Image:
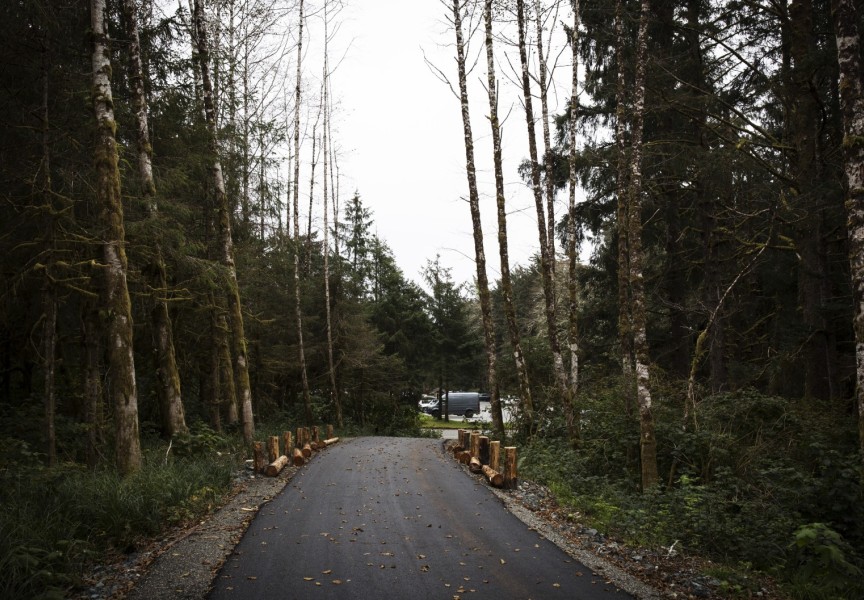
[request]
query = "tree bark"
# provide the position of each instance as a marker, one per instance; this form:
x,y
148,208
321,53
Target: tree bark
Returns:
x,y
479,253
525,400
167,373
226,244
561,386
548,163
572,249
298,312
116,304
648,442
846,19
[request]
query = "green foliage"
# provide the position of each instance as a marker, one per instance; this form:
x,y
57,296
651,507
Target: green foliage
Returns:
x,y
822,565
55,520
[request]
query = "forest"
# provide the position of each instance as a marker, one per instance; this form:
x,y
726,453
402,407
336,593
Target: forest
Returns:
x,y
181,270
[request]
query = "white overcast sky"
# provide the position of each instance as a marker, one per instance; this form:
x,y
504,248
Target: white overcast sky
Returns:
x,y
400,133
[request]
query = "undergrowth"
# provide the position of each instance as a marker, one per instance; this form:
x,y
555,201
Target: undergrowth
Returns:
x,y
761,486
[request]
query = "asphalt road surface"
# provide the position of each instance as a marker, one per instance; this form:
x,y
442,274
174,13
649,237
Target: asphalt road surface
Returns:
x,y
381,518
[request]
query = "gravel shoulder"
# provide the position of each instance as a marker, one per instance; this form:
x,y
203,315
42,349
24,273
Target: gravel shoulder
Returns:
x,y
184,564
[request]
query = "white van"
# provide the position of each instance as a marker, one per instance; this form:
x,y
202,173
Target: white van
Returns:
x,y
466,404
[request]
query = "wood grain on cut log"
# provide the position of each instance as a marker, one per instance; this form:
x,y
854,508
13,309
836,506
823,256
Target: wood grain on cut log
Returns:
x,y
258,461
307,450
287,442
298,458
510,475
464,457
495,478
474,465
273,448
276,466
474,445
495,455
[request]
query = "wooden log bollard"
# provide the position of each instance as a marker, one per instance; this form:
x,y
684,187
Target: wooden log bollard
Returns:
x,y
258,462
495,478
474,465
315,434
510,475
307,450
464,457
276,466
330,432
474,446
483,450
495,455
273,448
297,457
287,442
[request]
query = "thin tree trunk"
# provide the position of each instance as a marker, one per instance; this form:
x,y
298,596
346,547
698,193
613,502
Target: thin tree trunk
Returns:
x,y
548,164
625,326
331,366
846,19
167,374
648,441
226,244
307,400
479,253
525,400
572,254
92,384
116,304
561,386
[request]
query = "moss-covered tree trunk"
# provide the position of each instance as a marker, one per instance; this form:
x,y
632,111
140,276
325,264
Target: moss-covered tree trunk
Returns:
x,y
115,304
846,19
223,228
479,252
648,441
167,373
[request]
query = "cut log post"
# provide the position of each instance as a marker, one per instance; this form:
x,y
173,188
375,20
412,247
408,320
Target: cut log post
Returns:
x,y
315,434
297,457
301,436
307,450
287,442
258,461
474,465
495,478
464,457
457,450
510,476
273,448
276,466
474,446
495,455
483,450
330,432
330,441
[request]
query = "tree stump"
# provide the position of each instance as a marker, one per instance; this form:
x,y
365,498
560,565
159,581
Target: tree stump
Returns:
x,y
273,448
495,455
258,462
510,475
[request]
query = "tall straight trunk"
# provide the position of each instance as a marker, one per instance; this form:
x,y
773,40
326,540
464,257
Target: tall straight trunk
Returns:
x,y
167,374
331,365
625,326
479,253
572,249
226,244
648,441
563,390
209,377
49,293
307,400
548,164
116,305
846,18
525,401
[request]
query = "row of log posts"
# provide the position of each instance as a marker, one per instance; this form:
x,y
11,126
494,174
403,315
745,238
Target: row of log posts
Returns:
x,y
483,455
307,441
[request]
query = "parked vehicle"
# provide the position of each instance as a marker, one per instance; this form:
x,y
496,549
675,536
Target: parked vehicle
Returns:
x,y
466,404
426,402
